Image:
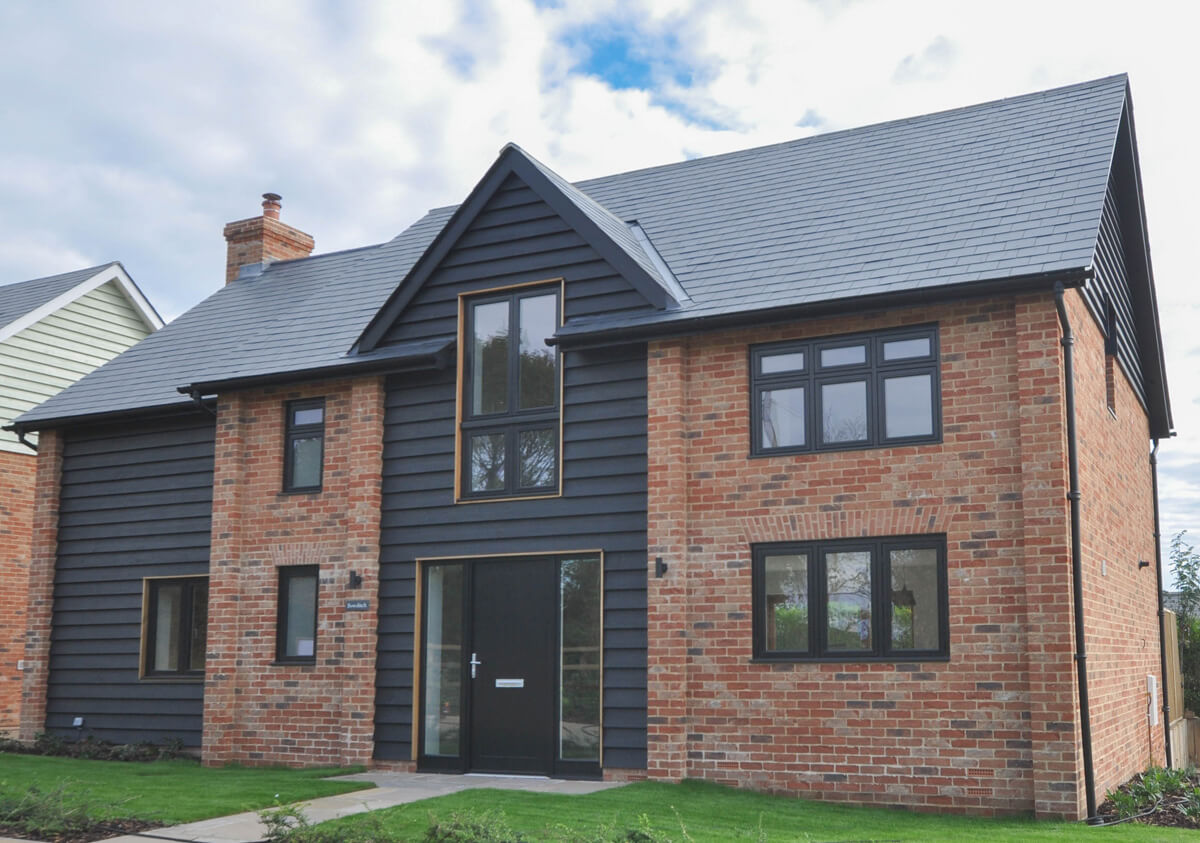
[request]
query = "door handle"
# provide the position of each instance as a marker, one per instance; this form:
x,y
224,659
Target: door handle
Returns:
x,y
475,662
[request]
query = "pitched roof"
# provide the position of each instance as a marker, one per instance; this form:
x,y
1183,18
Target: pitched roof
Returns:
x,y
24,297
1011,188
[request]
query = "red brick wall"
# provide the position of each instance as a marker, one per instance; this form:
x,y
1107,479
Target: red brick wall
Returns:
x,y
256,711
40,598
17,473
1120,604
993,730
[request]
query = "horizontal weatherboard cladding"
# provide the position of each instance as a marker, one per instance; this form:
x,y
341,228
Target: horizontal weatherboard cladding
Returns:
x,y
1111,283
518,238
136,502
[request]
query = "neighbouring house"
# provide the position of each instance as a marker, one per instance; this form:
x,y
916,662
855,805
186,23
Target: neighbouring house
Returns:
x,y
756,468
53,331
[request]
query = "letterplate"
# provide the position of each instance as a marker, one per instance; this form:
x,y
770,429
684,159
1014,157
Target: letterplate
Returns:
x,y
510,683
358,605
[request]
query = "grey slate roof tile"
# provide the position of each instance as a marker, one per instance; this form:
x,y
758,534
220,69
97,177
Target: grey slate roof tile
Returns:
x,y
1006,188
23,297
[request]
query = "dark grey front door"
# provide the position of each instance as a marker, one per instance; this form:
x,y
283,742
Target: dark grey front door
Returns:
x,y
512,674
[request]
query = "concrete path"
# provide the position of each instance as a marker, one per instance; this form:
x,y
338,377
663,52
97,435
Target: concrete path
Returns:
x,y
391,789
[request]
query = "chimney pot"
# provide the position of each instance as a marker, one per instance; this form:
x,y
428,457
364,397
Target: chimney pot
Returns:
x,y
271,205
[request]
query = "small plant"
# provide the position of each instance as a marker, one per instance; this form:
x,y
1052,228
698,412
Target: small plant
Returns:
x,y
1191,803
1125,804
282,822
53,813
487,827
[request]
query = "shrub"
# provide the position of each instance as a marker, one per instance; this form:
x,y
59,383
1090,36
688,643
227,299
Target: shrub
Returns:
x,y
487,827
1185,565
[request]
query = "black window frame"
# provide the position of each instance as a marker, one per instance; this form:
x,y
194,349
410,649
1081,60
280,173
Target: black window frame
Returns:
x,y
881,608
514,421
287,573
873,372
186,671
293,432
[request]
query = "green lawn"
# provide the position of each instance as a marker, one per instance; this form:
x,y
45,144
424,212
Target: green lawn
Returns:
x,y
713,813
169,791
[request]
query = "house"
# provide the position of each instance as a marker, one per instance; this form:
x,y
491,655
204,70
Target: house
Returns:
x,y
757,468
52,332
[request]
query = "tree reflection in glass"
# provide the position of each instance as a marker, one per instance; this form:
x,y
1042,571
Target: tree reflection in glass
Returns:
x,y
538,369
579,700
489,373
487,462
848,594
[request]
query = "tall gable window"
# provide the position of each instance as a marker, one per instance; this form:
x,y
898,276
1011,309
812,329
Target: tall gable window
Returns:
x,y
510,394
838,393
304,445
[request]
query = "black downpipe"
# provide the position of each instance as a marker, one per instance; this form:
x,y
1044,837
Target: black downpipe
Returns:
x,y
21,438
1085,717
1162,618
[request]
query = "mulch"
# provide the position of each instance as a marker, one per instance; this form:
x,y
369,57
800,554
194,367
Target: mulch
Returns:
x,y
101,831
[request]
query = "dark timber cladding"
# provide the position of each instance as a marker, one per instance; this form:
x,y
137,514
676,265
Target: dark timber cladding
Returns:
x,y
136,502
518,238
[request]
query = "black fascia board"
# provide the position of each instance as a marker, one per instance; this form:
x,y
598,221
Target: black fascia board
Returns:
x,y
606,336
438,358
152,412
1150,345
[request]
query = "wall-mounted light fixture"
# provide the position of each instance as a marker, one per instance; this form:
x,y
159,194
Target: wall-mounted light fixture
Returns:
x,y
660,567
355,579
1142,563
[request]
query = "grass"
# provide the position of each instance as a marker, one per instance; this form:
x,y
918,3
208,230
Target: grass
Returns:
x,y
169,792
714,813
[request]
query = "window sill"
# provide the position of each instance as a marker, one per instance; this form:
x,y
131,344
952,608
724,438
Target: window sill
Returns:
x,y
287,493
834,449
294,662
850,658
541,496
174,680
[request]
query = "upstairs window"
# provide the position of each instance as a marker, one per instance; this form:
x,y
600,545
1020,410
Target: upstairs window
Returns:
x,y
854,600
510,395
836,393
175,629
304,445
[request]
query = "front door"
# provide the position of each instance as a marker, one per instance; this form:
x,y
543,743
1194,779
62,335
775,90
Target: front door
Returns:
x,y
511,665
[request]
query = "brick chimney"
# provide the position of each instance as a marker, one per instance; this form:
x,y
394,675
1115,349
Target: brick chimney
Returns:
x,y
263,239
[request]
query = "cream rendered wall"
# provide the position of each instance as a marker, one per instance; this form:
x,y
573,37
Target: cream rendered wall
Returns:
x,y
53,353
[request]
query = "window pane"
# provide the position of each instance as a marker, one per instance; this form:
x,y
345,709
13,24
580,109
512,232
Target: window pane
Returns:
x,y
579,698
310,415
783,417
443,660
844,411
901,349
916,615
537,458
848,587
168,622
301,633
539,374
908,406
792,361
489,361
786,602
199,630
306,461
487,462
850,355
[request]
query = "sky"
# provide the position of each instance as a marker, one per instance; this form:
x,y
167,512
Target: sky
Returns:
x,y
134,131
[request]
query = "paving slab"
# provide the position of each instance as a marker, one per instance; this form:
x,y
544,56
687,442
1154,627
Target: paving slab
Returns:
x,y
390,789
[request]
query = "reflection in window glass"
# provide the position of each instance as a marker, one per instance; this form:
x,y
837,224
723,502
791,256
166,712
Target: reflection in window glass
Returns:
x,y
908,406
308,415
783,417
850,355
903,349
199,637
848,595
538,369
299,607
167,627
489,369
443,660
844,412
914,599
786,604
487,462
579,712
789,362
537,458
307,455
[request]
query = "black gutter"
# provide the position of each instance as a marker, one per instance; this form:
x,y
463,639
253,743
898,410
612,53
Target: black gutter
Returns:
x,y
1073,495
439,359
162,411
21,438
1038,282
1162,618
